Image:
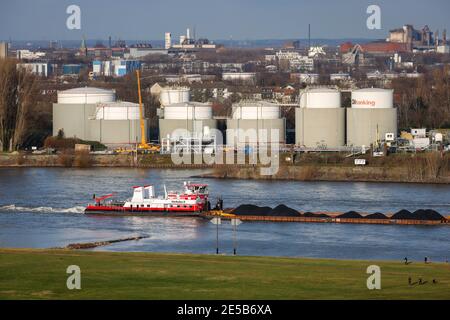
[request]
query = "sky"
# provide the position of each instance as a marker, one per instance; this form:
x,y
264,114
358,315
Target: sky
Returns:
x,y
215,19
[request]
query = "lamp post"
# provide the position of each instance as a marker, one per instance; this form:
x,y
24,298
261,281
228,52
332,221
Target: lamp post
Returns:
x,y
235,222
217,221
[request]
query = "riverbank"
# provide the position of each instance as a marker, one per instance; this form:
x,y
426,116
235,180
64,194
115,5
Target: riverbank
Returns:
x,y
41,274
409,168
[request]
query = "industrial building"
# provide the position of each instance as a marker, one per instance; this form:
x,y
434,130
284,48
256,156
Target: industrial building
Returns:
x,y
371,116
249,77
255,115
117,67
94,114
43,69
320,119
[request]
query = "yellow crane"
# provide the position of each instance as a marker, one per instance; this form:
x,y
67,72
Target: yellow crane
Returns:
x,y
143,146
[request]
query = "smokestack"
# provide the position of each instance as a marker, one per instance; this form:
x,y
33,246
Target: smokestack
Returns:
x,y
188,36
436,39
444,37
168,40
309,36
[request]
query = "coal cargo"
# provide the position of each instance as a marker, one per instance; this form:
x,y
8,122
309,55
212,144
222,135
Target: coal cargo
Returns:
x,y
376,215
427,215
350,215
284,211
315,215
402,215
251,210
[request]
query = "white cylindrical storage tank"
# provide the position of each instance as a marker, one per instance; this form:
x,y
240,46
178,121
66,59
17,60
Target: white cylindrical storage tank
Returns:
x,y
255,123
320,98
371,116
256,110
372,98
189,119
320,120
118,111
191,110
174,95
86,95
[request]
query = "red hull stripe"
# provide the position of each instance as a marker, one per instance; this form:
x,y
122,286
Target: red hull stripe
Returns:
x,y
135,209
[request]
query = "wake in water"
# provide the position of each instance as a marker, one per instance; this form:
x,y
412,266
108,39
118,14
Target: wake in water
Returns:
x,y
14,208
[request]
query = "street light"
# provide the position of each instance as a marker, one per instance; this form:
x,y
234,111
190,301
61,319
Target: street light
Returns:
x,y
235,222
217,221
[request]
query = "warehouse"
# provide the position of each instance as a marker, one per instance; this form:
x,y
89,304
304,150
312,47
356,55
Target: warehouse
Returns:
x,y
93,114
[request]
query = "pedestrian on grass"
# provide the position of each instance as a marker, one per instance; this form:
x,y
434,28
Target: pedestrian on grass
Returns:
x,y
425,259
420,281
409,280
406,260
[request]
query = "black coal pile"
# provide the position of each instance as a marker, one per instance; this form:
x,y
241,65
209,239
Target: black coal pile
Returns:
x,y
251,210
315,215
350,215
283,211
427,215
402,214
376,215
418,215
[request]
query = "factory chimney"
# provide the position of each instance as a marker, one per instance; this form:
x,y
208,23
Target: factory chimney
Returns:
x,y
444,37
168,40
436,39
309,36
188,36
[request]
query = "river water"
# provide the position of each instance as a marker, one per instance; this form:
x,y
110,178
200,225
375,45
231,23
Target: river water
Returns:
x,y
42,208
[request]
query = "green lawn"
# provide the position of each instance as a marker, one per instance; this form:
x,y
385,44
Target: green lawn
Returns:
x,y
41,274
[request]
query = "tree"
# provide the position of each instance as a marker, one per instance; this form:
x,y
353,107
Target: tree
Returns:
x,y
18,93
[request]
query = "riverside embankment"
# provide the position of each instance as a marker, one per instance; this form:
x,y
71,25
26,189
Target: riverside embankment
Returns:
x,y
414,168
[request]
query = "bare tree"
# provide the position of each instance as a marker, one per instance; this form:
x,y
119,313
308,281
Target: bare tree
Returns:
x,y
18,92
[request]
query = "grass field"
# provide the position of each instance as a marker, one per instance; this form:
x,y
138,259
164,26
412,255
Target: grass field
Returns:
x,y
41,274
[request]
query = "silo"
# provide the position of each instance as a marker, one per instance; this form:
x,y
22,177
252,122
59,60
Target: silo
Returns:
x,y
252,123
371,116
194,118
173,95
320,119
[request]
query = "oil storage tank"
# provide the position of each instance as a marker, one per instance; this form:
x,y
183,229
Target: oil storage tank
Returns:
x,y
252,123
195,119
173,95
93,114
320,119
371,116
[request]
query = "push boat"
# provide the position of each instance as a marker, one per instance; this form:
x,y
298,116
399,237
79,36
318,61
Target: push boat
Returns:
x,y
192,201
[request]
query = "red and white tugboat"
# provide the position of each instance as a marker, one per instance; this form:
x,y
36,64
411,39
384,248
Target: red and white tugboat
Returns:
x,y
191,202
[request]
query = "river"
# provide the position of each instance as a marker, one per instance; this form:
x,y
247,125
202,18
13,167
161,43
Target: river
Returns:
x,y
43,208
